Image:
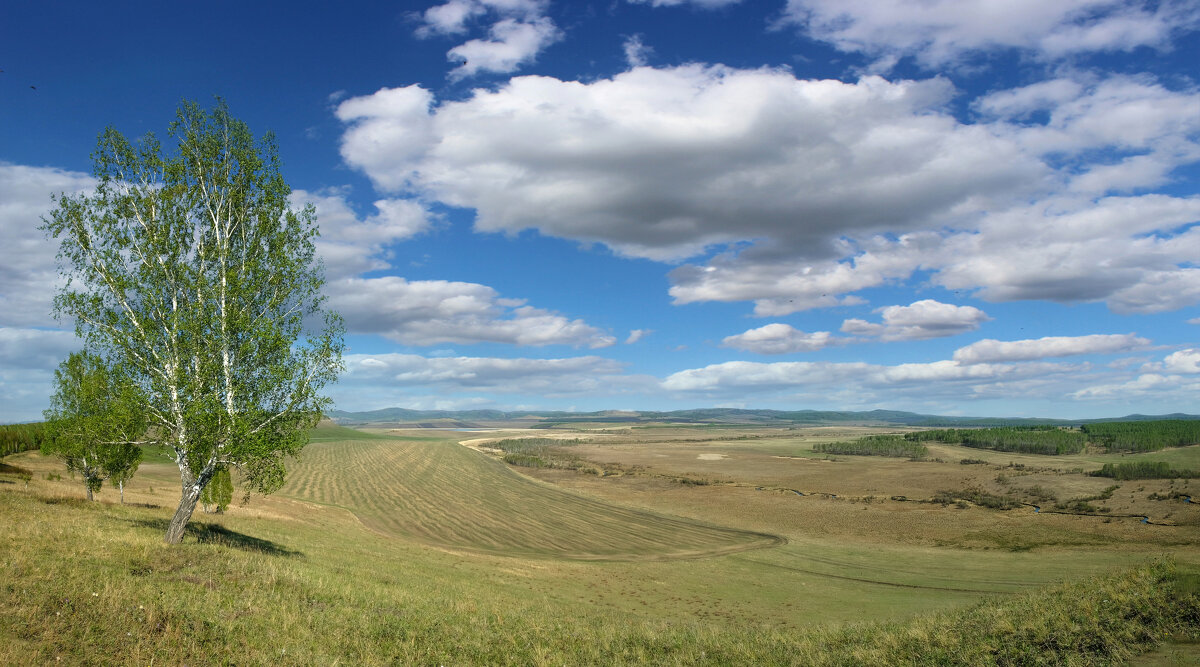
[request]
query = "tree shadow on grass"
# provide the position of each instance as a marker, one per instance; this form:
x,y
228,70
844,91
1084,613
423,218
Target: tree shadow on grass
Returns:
x,y
212,533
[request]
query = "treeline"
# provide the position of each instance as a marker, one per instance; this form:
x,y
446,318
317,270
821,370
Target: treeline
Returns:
x,y
1139,436
875,445
1143,470
1143,436
21,437
1022,439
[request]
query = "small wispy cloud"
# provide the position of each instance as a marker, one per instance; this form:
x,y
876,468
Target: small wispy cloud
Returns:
x,y
637,52
637,334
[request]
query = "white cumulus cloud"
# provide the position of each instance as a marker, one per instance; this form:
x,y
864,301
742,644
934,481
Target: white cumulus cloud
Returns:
x,y
510,44
1183,361
405,378
350,244
857,383
430,312
942,33
662,163
779,339
920,320
28,274
799,193
517,31
991,351
1146,384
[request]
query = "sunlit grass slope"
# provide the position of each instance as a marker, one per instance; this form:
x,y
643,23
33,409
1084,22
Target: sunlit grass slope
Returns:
x,y
445,495
89,583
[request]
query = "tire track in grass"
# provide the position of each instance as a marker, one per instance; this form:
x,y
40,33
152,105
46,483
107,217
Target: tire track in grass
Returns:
x,y
863,580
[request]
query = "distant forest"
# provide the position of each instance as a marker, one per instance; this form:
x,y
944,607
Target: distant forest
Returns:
x,y
1114,437
21,438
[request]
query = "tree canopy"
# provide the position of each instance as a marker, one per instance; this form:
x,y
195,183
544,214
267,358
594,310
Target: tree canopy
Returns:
x,y
189,272
95,422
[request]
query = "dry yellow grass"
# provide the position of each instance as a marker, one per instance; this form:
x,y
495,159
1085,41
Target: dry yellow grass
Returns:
x,y
441,494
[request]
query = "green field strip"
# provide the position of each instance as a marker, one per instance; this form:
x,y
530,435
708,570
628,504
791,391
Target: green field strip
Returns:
x,y
448,496
933,570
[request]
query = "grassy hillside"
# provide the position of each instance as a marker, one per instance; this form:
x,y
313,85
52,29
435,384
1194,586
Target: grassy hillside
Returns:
x,y
418,550
440,493
88,583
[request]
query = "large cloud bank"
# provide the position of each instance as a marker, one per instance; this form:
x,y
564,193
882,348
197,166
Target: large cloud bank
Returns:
x,y
796,194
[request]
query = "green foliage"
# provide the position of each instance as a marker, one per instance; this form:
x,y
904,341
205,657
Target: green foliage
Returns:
x,y
94,424
219,491
1139,436
541,453
188,270
1024,439
875,445
1144,436
525,460
16,438
1143,470
536,446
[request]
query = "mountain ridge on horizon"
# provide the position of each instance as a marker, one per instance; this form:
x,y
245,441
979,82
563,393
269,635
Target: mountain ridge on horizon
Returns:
x,y
546,418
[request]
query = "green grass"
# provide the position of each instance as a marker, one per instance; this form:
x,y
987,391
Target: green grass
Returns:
x,y
1187,458
328,431
421,551
298,592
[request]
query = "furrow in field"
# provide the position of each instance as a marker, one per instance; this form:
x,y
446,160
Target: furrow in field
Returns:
x,y
449,496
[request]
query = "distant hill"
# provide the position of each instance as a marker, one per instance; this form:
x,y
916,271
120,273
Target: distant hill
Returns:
x,y
545,419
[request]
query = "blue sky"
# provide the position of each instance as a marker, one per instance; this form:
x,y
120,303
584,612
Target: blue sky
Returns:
x,y
974,207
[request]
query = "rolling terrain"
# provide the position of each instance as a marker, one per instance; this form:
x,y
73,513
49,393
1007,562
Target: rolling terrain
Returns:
x,y
437,492
683,544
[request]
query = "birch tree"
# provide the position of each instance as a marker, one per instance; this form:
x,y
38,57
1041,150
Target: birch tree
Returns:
x,y
187,269
95,423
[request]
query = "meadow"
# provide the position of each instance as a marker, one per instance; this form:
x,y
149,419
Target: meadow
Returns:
x,y
668,544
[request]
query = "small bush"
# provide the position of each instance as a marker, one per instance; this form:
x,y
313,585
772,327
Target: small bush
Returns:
x,y
1042,494
978,497
525,460
1077,505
